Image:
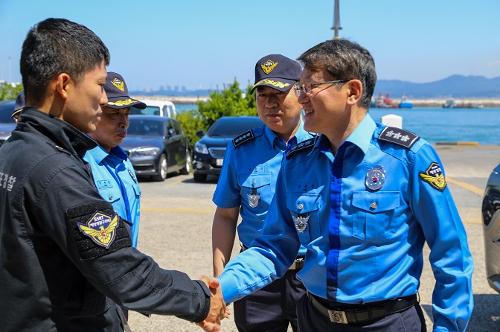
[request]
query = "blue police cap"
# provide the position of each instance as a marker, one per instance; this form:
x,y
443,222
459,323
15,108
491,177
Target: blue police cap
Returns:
x,y
277,71
117,92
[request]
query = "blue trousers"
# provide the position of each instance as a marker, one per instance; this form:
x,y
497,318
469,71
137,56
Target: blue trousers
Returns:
x,y
272,308
311,320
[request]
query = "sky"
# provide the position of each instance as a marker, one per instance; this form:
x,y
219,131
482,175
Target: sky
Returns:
x,y
204,44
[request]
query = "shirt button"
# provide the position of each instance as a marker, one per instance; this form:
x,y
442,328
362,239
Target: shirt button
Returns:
x,y
373,205
300,206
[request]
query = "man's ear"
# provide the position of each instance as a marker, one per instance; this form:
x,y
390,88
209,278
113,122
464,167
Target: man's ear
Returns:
x,y
63,85
355,91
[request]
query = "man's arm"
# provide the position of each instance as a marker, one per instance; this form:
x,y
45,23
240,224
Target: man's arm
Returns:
x,y
450,258
223,233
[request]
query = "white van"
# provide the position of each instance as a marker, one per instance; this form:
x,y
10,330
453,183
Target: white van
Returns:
x,y
156,107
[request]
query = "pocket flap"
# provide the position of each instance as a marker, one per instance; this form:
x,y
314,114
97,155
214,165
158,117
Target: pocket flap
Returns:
x,y
300,203
256,181
376,202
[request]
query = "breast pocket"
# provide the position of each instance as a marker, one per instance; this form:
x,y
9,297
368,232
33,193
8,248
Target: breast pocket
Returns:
x,y
256,193
304,209
109,195
373,213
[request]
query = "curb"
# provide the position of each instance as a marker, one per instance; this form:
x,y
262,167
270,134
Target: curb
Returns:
x,y
459,143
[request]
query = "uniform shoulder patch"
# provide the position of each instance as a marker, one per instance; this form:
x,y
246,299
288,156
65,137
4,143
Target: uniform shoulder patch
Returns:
x,y
433,175
304,145
243,138
398,136
97,230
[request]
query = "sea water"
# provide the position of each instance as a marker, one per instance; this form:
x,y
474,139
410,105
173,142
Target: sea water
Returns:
x,y
439,124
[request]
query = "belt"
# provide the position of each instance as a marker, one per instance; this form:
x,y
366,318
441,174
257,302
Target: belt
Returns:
x,y
363,313
297,264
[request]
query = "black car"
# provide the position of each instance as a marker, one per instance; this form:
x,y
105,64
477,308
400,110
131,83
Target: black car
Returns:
x,y
7,124
157,146
210,149
491,228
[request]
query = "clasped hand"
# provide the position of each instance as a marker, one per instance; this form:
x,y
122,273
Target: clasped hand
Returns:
x,y
218,310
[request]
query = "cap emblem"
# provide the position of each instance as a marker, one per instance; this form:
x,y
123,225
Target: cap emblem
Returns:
x,y
119,84
268,66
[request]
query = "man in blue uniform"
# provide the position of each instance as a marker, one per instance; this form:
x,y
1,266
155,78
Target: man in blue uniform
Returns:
x,y
363,199
65,256
113,173
246,186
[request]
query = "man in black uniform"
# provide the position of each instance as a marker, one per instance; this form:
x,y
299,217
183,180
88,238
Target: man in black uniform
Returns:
x,y
65,256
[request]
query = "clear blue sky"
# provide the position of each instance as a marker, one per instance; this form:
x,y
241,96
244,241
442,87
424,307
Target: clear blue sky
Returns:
x,y
202,44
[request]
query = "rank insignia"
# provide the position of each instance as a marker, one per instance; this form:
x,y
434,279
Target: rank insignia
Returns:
x,y
268,66
398,136
253,198
375,178
300,222
119,84
100,228
434,176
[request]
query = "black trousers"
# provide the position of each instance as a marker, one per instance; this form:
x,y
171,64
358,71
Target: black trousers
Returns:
x,y
272,308
311,320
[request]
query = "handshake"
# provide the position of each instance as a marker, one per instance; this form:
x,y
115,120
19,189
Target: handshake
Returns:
x,y
218,310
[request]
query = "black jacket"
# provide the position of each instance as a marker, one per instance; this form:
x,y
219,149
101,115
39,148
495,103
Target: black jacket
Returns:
x,y
63,250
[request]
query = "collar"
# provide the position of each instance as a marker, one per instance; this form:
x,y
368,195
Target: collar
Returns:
x,y
99,153
361,136
58,131
274,140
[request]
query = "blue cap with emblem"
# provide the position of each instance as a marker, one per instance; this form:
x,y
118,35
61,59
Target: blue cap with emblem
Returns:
x,y
277,71
117,92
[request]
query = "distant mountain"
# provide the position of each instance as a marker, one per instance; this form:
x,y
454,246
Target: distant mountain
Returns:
x,y
456,86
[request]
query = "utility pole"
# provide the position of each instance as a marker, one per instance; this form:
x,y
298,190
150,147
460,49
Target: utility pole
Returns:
x,y
336,20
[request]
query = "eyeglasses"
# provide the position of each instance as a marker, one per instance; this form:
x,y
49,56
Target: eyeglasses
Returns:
x,y
302,89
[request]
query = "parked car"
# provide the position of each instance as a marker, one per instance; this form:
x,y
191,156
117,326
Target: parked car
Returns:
x,y
163,108
157,146
7,124
491,228
210,149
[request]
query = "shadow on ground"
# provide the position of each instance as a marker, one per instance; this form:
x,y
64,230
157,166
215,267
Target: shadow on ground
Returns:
x,y
486,314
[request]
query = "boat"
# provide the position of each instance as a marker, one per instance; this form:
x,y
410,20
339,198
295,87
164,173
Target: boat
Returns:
x,y
405,103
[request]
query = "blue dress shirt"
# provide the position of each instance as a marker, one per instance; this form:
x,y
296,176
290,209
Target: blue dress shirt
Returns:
x,y
252,169
362,245
115,179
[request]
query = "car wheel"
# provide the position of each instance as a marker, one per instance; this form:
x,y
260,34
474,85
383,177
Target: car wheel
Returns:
x,y
162,169
189,166
199,177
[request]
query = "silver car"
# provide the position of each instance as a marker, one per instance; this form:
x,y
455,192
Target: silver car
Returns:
x,y
491,227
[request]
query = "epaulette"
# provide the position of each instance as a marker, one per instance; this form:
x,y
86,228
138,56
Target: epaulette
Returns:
x,y
398,136
243,138
300,147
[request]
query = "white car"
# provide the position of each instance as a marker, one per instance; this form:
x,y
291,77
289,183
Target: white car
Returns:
x,y
163,108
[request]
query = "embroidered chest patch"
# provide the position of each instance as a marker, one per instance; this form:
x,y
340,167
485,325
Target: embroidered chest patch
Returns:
x,y
101,228
434,176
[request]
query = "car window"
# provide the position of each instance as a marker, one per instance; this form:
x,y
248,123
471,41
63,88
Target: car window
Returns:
x,y
233,126
149,110
143,127
6,110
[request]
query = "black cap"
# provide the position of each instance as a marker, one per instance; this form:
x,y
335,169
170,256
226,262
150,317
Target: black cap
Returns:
x,y
117,92
277,71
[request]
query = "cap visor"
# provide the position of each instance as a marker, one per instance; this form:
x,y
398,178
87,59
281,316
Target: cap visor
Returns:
x,y
280,84
124,103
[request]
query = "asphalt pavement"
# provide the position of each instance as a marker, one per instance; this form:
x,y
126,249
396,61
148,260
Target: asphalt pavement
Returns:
x,y
176,221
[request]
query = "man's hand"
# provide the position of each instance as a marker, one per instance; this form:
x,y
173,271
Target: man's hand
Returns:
x,y
217,306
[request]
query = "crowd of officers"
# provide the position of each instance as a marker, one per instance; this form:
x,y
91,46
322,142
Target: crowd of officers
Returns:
x,y
335,208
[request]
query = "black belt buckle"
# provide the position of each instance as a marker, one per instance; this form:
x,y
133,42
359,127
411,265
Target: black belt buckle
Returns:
x,y
338,317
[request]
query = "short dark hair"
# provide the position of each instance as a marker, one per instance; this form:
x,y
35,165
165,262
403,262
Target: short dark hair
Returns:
x,y
343,60
55,46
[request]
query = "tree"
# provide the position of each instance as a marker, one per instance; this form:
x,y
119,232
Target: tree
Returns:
x,y
229,102
9,91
